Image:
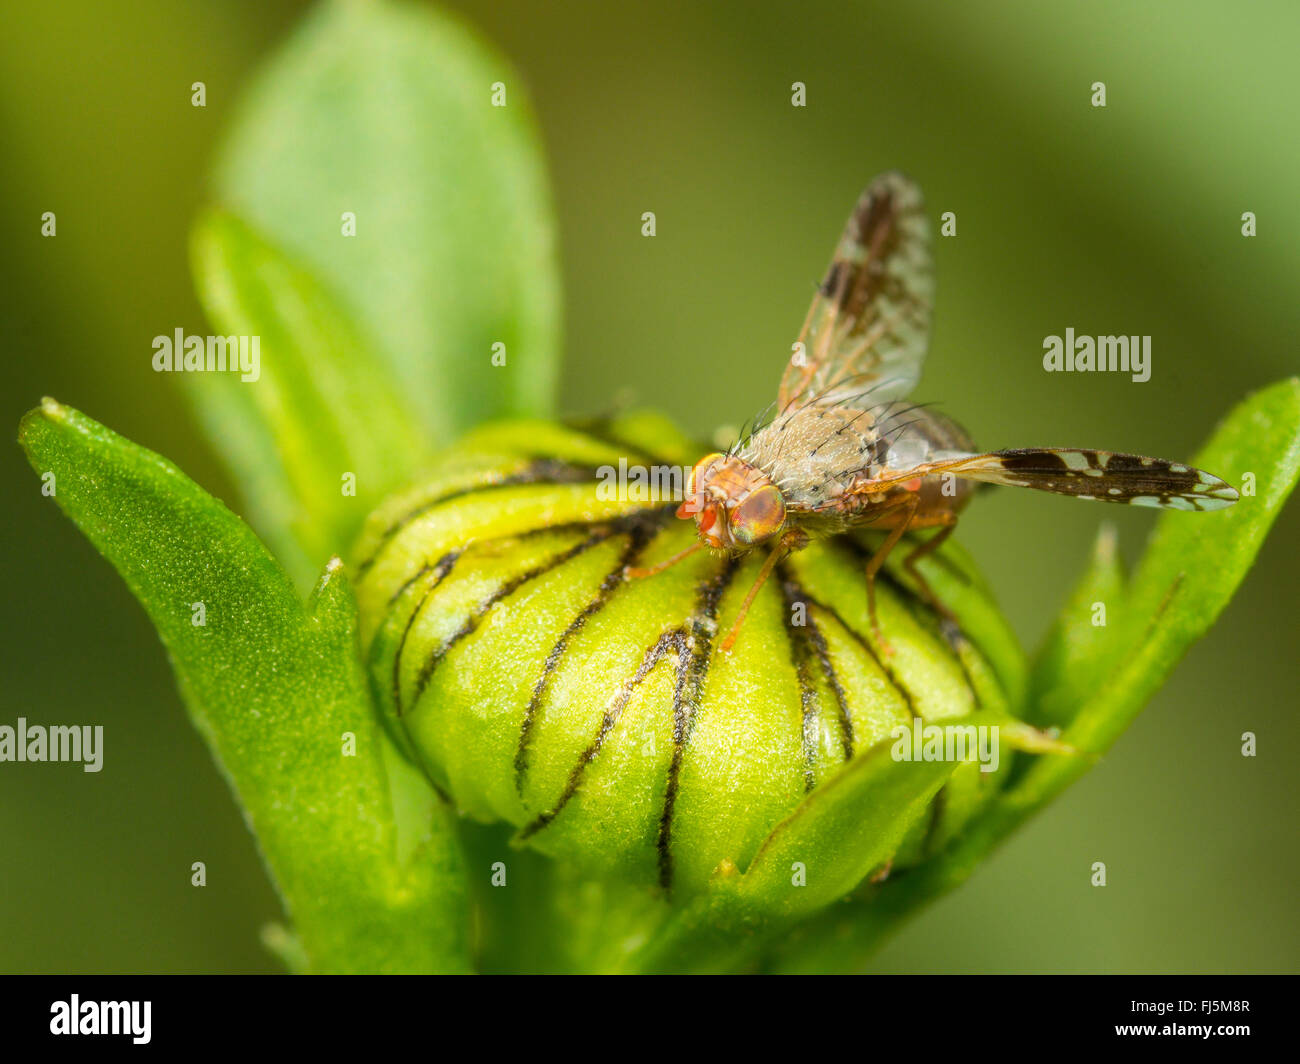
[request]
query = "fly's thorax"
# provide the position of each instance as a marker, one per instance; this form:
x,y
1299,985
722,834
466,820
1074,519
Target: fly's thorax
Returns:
x,y
814,454
818,454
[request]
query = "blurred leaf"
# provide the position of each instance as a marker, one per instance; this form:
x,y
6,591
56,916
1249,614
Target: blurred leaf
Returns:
x,y
323,405
385,110
274,688
279,940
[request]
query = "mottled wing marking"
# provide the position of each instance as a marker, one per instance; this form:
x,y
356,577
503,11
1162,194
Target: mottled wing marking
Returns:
x,y
1085,474
867,328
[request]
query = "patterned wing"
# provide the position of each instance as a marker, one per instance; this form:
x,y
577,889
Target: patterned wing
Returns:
x,y
867,328
1085,474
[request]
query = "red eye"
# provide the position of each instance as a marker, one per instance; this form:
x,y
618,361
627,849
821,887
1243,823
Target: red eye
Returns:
x,y
760,516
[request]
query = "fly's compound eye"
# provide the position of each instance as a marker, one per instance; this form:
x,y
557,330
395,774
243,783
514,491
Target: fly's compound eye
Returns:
x,y
760,516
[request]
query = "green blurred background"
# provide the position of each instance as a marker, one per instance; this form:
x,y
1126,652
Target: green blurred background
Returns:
x,y
1122,220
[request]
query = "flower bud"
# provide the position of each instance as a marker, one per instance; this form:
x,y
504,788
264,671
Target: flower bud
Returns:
x,y
537,681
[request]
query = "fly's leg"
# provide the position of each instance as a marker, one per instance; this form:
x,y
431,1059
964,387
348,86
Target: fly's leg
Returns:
x,y
900,525
791,541
635,573
947,522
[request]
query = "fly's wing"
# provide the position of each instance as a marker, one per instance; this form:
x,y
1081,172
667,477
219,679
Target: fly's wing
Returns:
x,y
1085,474
867,328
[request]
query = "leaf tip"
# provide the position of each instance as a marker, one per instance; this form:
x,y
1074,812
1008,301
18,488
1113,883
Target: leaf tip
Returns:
x,y
1107,543
50,410
1031,740
286,946
333,568
332,602
53,409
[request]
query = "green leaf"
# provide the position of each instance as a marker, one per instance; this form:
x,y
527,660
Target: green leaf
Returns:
x,y
853,823
385,110
275,688
569,921
1077,651
821,853
323,415
1194,563
850,825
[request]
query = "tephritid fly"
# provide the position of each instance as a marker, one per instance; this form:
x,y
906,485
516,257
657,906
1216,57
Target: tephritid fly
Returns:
x,y
844,450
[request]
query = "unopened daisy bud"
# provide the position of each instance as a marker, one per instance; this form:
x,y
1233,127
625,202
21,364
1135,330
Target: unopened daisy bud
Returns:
x,y
530,657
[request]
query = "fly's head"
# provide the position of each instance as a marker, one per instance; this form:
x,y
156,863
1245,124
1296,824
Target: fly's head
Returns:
x,y
735,505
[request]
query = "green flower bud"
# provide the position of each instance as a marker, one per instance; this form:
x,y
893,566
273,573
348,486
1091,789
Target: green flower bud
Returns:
x,y
538,683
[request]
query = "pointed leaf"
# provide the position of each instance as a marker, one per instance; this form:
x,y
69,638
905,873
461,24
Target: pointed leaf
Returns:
x,y
276,690
1194,563
848,826
1077,651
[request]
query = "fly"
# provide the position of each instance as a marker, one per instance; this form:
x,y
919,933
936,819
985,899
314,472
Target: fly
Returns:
x,y
844,450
